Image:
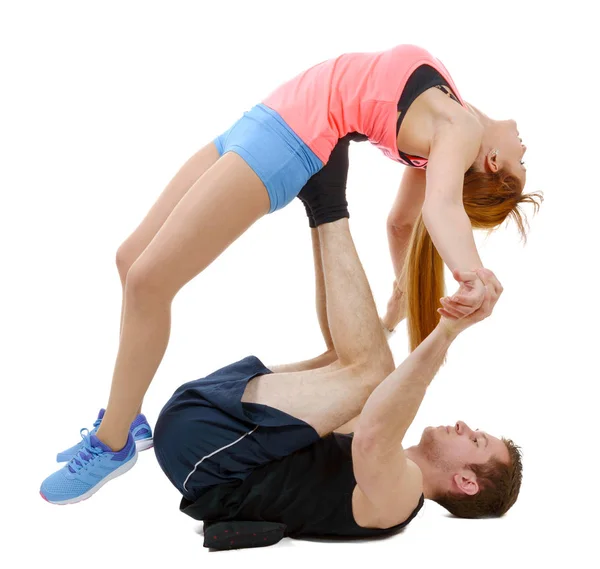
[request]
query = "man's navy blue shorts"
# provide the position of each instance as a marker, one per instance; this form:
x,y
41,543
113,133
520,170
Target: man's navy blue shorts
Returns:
x,y
205,435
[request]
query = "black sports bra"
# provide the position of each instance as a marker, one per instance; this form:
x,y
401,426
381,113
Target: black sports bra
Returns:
x,y
423,78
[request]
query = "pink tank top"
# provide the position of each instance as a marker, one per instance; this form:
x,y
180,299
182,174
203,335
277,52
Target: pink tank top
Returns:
x,y
355,92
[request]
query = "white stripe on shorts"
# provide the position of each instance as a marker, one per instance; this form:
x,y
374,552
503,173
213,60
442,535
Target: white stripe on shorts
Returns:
x,y
215,452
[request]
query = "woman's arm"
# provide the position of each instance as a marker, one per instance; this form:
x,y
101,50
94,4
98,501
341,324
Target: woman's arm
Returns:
x,y
453,151
400,223
405,210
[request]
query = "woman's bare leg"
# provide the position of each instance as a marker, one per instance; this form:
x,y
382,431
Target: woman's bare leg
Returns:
x,y
214,212
135,244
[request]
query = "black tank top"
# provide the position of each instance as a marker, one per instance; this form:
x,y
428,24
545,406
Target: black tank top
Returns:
x,y
309,491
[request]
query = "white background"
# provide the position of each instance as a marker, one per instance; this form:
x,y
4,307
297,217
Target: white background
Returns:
x,y
101,103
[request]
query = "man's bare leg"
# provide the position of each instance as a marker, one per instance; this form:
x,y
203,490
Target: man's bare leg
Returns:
x,y
328,398
328,360
329,356
348,427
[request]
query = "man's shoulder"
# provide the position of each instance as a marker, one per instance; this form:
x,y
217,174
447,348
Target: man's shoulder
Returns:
x,y
395,503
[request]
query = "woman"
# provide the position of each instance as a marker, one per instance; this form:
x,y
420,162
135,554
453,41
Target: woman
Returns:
x,y
404,101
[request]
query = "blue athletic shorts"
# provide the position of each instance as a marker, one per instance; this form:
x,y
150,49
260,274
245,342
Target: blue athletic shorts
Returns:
x,y
274,151
205,435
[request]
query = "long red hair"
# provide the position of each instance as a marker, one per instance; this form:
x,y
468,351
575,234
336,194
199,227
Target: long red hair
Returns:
x,y
489,198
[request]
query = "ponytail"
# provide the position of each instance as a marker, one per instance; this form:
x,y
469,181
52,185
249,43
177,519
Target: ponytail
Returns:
x,y
489,198
424,284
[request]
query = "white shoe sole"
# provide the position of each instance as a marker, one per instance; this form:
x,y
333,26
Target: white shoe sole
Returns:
x,y
114,474
144,444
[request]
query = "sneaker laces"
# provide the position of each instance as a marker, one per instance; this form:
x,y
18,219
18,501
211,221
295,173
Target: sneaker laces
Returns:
x,y
85,455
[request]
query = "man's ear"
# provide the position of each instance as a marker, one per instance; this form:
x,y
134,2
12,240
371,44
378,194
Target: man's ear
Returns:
x,y
466,482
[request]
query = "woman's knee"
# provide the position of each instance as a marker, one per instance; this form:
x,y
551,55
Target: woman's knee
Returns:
x,y
125,258
145,280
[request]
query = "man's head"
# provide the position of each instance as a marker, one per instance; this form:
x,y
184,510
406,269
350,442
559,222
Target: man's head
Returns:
x,y
471,473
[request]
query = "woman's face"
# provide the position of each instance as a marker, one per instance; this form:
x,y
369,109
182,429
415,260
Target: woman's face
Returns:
x,y
511,149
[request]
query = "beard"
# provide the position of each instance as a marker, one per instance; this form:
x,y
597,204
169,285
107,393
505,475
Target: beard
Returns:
x,y
433,450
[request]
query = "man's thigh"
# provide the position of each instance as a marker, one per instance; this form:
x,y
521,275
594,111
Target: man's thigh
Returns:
x,y
205,435
325,398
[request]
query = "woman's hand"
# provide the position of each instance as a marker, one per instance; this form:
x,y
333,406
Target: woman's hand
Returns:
x,y
396,308
467,299
492,291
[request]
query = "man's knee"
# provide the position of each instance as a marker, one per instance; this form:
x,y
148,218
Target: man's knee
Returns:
x,y
167,433
160,435
387,361
379,364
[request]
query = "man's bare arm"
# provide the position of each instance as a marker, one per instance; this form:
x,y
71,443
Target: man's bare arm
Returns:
x,y
380,465
392,406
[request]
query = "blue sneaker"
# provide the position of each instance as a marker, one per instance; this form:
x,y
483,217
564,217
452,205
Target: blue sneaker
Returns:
x,y
90,469
140,429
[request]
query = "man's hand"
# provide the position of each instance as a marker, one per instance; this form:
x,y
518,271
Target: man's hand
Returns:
x,y
453,318
468,298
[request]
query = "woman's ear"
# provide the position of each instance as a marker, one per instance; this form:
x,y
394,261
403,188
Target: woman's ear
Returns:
x,y
491,160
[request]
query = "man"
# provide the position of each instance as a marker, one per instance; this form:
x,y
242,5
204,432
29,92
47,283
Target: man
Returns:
x,y
250,445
